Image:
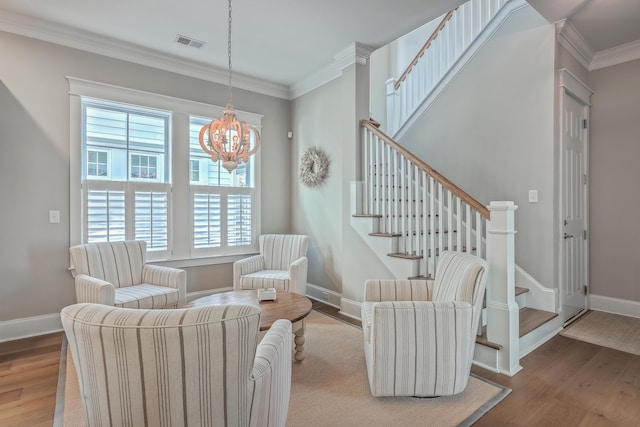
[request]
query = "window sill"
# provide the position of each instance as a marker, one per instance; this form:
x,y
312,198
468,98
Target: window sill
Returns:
x,y
197,262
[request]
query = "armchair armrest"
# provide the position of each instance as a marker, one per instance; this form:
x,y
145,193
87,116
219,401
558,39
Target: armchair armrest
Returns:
x,y
271,375
398,290
168,277
298,275
246,266
91,289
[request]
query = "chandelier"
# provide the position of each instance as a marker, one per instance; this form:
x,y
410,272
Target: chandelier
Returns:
x,y
228,139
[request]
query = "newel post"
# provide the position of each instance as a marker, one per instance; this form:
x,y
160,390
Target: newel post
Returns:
x,y
393,107
502,311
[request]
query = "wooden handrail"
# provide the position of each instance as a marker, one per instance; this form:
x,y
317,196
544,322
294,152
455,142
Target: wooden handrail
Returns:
x,y
459,192
424,48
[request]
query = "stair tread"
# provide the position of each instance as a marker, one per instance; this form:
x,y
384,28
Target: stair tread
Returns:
x,y
482,339
531,318
385,234
420,278
366,216
405,256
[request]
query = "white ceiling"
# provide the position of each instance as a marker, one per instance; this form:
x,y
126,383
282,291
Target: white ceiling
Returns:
x,y
604,24
277,41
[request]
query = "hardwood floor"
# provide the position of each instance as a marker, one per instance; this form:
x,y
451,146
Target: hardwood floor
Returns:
x,y
564,382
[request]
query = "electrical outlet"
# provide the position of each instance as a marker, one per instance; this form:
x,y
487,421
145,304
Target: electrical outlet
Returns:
x,y
54,217
325,296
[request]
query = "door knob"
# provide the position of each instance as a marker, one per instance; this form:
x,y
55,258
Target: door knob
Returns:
x,y
567,236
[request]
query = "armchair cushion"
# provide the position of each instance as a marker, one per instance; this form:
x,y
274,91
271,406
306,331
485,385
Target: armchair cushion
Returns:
x,y
278,279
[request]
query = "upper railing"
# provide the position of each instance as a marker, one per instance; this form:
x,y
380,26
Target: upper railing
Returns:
x,y
420,53
427,211
455,33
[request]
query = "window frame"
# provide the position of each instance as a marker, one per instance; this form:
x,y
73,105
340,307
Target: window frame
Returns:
x,y
182,253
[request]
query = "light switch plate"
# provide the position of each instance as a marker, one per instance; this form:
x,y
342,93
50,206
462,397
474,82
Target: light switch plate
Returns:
x,y
533,196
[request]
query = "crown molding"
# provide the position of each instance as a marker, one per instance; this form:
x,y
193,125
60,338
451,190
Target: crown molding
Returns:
x,y
106,46
571,40
354,53
616,55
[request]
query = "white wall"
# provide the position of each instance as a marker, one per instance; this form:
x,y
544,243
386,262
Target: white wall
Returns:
x,y
492,133
614,199
34,165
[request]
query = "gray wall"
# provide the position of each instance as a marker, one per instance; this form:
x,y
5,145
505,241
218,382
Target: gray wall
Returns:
x,y
615,173
492,133
34,165
329,117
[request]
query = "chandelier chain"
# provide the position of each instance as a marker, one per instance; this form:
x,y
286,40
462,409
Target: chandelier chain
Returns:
x,y
229,54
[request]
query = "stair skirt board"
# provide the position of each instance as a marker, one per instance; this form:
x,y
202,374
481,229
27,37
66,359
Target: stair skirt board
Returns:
x,y
540,335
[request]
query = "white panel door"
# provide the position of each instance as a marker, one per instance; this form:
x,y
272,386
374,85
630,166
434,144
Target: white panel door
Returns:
x,y
574,265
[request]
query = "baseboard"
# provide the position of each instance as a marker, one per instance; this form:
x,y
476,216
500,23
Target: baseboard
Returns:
x,y
200,294
350,308
614,305
324,295
16,329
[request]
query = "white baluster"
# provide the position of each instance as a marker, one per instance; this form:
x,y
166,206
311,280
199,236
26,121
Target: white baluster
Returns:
x,y
403,220
425,225
432,225
450,227
479,235
469,220
440,228
459,224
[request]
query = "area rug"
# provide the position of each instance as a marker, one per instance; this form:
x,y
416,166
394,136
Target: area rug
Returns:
x,y
607,330
330,388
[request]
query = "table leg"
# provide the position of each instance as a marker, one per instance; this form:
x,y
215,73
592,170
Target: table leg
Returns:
x,y
299,341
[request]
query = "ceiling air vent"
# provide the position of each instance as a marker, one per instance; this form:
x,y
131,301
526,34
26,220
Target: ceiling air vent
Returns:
x,y
188,41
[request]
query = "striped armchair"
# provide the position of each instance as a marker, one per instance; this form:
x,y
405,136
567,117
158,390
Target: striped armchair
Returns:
x,y
282,264
195,366
419,335
116,273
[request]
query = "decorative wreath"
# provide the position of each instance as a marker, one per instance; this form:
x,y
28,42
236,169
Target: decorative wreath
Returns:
x,y
314,167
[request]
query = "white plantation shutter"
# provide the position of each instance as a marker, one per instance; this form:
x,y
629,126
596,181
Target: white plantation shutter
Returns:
x,y
126,211
152,218
239,219
105,214
223,219
207,220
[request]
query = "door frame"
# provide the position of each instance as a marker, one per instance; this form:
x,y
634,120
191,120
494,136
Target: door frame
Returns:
x,y
572,86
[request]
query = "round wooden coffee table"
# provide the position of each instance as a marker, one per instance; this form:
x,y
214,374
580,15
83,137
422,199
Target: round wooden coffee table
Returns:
x,y
288,305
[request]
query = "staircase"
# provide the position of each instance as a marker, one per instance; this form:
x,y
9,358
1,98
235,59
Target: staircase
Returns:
x,y
460,34
408,213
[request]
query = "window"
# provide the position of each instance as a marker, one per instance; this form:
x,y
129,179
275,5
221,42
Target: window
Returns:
x,y
223,202
125,182
140,173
